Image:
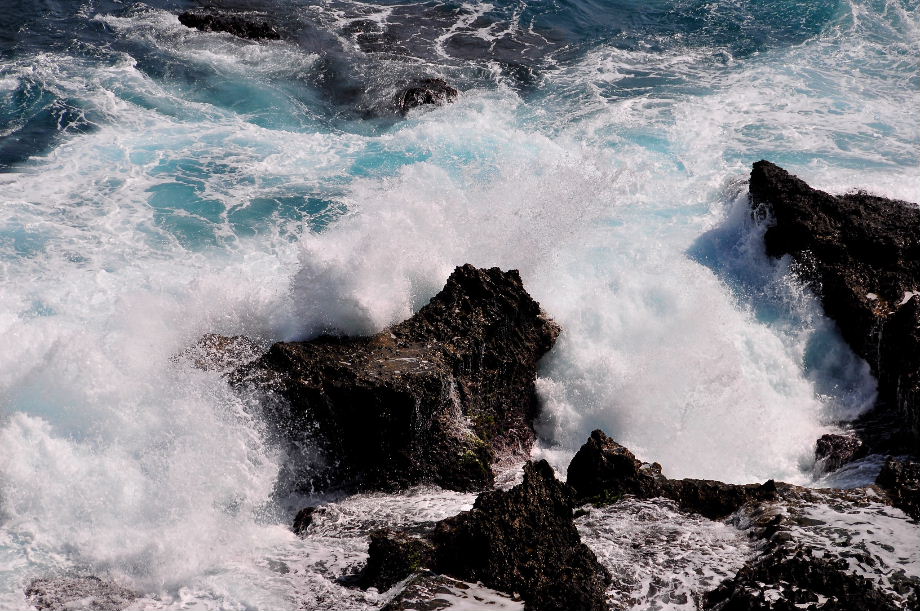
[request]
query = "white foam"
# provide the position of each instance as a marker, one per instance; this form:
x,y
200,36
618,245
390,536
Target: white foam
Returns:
x,y
659,557
121,461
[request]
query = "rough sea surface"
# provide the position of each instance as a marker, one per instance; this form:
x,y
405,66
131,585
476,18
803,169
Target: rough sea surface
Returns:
x,y
158,183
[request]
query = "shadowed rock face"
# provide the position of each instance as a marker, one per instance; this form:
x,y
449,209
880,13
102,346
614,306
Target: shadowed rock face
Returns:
x,y
900,478
238,24
432,399
603,471
518,541
862,253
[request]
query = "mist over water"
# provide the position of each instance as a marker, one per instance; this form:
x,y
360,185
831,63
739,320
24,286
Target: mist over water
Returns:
x,y
158,183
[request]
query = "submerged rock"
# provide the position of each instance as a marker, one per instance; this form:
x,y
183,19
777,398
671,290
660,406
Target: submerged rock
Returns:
x,y
426,91
392,556
434,399
520,541
244,25
429,591
900,479
862,254
82,592
603,471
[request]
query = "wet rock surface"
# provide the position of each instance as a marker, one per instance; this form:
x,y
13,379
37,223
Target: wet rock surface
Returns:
x,y
429,591
80,592
434,399
819,551
244,25
518,541
603,471
832,451
900,479
426,91
862,255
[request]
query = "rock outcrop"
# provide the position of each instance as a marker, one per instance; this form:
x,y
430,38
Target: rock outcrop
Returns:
x,y
900,479
833,450
425,91
862,255
518,541
603,471
432,399
244,25
805,560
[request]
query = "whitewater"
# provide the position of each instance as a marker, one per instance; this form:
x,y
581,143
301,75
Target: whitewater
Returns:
x,y
158,183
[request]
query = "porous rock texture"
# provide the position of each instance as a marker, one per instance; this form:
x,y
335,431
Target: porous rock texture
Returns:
x,y
900,479
521,541
243,25
433,399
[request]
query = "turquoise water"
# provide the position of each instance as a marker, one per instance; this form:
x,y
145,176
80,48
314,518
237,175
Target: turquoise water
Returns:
x,y
158,183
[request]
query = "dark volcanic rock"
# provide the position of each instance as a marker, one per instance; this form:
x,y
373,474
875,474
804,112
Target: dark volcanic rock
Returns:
x,y
429,591
900,478
603,471
862,254
802,564
84,592
239,24
832,451
303,520
392,556
426,91
519,541
432,399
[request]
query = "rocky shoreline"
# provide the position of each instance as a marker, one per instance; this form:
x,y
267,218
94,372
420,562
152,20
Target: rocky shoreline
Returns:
x,y
441,398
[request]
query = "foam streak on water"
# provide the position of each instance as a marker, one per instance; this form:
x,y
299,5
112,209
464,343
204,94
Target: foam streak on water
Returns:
x,y
159,183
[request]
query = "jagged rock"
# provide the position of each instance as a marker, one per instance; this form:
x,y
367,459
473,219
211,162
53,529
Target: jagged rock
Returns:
x,y
83,592
832,451
603,471
302,520
432,399
393,556
429,591
239,24
426,91
802,563
520,541
862,255
900,478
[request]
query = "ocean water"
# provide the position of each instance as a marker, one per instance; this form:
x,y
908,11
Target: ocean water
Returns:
x,y
158,183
